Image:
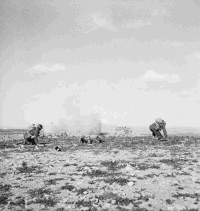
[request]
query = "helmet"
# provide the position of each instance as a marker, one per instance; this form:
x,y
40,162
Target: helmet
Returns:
x,y
32,126
40,126
160,121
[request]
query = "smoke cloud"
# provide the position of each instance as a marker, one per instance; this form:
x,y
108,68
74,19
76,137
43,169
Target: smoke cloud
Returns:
x,y
77,124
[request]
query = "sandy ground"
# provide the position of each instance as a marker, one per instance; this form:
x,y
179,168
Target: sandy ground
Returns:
x,y
123,173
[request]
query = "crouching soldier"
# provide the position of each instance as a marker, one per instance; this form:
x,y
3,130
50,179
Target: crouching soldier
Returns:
x,y
158,126
31,136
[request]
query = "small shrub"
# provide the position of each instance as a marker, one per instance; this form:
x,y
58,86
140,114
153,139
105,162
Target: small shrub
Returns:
x,y
39,192
111,165
154,167
83,203
176,162
52,173
120,181
153,155
140,166
7,145
150,175
107,195
4,198
52,181
20,201
172,174
49,202
67,186
29,169
70,164
81,191
144,198
169,201
96,173
4,193
91,182
42,196
124,201
5,188
3,174
60,209
188,195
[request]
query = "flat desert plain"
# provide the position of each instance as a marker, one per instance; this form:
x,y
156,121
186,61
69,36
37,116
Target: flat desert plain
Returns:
x,y
123,173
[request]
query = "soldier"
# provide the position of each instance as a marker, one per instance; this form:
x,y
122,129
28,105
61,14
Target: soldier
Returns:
x,y
100,138
92,140
158,126
83,140
31,136
31,129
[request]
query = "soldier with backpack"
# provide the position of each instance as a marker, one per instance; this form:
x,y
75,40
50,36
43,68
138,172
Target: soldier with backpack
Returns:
x,y
31,136
156,127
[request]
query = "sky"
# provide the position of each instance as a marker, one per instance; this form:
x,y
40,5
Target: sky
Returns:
x,y
122,62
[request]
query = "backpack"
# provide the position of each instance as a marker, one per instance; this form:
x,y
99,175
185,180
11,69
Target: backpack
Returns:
x,y
31,130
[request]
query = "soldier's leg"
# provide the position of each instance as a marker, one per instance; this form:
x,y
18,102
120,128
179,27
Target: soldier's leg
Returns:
x,y
33,141
151,128
156,134
153,134
27,140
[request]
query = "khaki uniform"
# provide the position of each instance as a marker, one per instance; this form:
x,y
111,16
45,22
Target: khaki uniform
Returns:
x,y
156,128
31,136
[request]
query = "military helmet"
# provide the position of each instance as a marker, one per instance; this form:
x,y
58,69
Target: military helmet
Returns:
x,y
40,126
160,121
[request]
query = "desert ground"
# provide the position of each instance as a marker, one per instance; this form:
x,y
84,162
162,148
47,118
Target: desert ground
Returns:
x,y
125,172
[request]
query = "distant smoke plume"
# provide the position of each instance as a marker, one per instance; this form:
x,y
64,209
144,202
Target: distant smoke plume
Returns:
x,y
87,124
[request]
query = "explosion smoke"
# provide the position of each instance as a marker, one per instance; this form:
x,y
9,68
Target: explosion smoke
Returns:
x,y
90,124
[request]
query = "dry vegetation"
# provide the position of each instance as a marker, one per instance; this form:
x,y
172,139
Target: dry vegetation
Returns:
x,y
122,173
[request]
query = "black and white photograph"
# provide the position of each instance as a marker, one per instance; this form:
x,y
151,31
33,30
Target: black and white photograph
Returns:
x,y
100,105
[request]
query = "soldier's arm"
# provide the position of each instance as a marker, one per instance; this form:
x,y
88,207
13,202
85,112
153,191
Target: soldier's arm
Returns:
x,y
165,132
36,135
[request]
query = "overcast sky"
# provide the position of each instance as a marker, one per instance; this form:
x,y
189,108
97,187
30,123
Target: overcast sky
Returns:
x,y
126,61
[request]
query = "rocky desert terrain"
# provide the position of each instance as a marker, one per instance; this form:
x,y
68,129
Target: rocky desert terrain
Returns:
x,y
125,172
